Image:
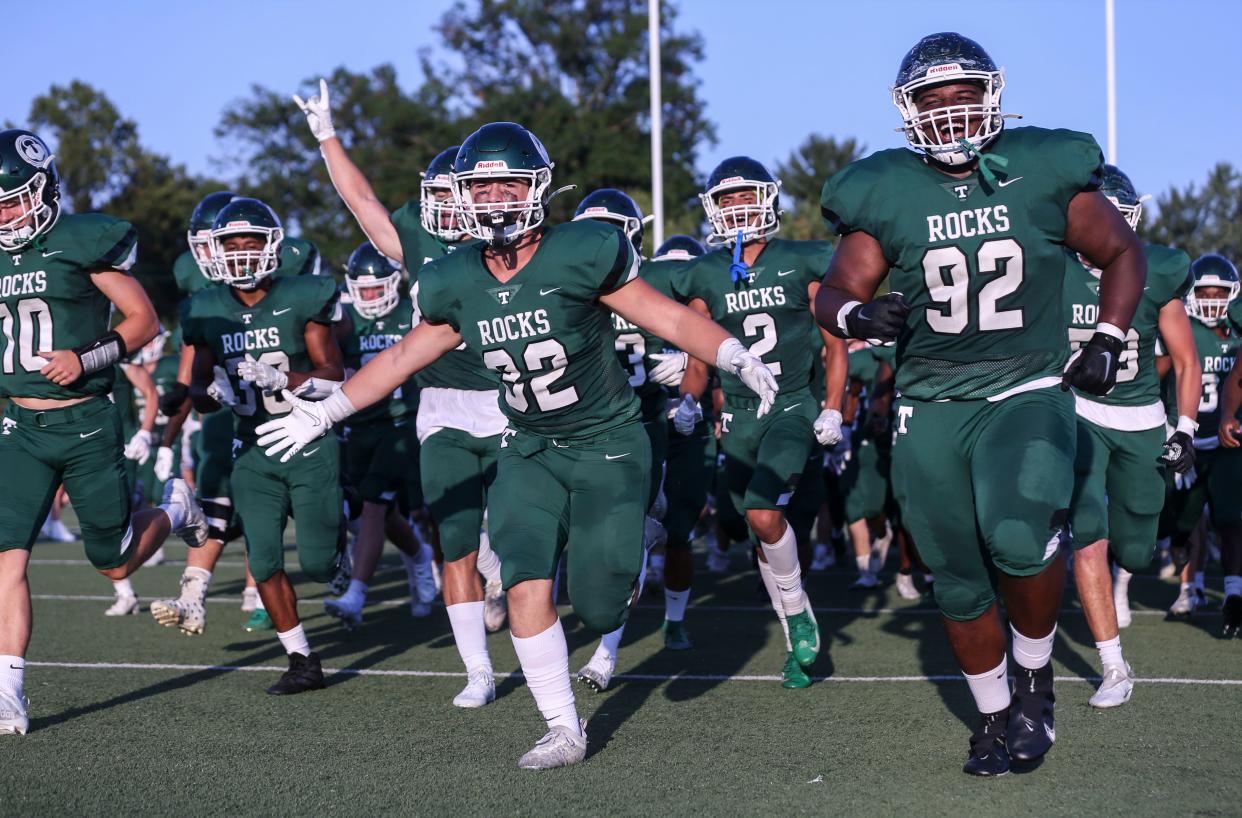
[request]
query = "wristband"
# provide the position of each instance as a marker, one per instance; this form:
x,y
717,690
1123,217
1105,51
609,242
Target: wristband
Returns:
x,y
1187,425
337,406
725,352
841,313
1111,331
316,389
101,353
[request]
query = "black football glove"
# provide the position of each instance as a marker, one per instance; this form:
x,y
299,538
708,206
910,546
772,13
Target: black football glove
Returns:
x,y
1094,371
1179,453
880,320
173,397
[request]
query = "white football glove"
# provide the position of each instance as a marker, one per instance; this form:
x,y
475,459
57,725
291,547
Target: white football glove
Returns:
x,y
828,427
670,369
163,463
687,416
306,422
1183,481
139,447
318,112
264,376
220,390
737,360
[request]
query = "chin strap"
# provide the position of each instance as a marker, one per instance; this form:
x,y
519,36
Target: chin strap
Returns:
x,y
985,161
738,268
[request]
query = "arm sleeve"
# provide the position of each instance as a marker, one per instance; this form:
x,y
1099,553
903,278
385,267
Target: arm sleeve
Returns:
x,y
115,247
325,305
616,263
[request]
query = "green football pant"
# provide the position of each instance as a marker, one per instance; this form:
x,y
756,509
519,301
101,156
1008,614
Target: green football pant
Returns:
x,y
80,446
657,435
864,482
381,462
585,496
984,484
687,475
266,490
1218,484
765,457
1118,491
458,470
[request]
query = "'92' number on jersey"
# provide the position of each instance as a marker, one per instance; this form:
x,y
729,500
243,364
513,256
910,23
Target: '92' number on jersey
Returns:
x,y
946,271
545,363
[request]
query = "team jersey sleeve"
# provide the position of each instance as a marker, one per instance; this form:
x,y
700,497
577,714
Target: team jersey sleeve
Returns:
x,y
1075,162
844,202
101,242
1168,273
298,257
323,301
408,221
190,335
432,298
616,263
1234,315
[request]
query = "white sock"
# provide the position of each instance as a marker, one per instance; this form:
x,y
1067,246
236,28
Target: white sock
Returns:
x,y
544,658
466,619
176,514
1110,653
1032,654
12,675
488,563
294,641
1121,578
357,590
783,560
864,564
990,688
123,587
609,643
194,582
1199,580
675,604
774,594
1233,585
260,606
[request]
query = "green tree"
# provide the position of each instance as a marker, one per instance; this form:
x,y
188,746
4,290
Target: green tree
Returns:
x,y
1200,220
802,177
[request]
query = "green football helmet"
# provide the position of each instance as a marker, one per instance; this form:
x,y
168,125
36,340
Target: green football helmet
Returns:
x,y
28,179
756,220
611,205
1120,191
244,269
369,269
438,213
201,221
1211,270
502,150
679,248
940,59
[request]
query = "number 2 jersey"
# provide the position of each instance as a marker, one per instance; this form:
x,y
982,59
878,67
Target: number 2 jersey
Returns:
x,y
48,302
981,263
544,331
272,331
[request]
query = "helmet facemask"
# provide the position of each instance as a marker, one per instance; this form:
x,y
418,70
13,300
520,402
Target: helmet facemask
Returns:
x,y
958,120
1132,213
630,226
755,221
381,305
244,269
439,215
36,216
501,223
200,248
1210,311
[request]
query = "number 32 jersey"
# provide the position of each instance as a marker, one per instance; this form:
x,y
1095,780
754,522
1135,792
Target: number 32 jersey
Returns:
x,y
544,331
981,263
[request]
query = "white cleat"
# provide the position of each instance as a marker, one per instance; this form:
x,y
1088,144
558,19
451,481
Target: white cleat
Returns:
x,y
123,606
347,609
560,747
717,561
13,718
495,606
190,615
1116,688
1185,603
250,599
597,673
905,587
823,558
865,581
423,585
879,549
58,532
480,689
194,530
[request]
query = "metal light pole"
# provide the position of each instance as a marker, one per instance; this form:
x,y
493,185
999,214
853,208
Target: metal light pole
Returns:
x,y
1110,51
657,121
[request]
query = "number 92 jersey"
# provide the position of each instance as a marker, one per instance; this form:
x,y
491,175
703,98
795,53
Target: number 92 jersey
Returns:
x,y
272,331
980,263
544,331
48,302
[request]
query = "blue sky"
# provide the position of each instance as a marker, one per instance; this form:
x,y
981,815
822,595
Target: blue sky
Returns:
x,y
773,72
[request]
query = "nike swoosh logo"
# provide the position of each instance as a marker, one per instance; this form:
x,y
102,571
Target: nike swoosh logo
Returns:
x,y
403,326
309,453
794,406
616,456
90,434
1009,182
784,273
281,312
51,253
548,292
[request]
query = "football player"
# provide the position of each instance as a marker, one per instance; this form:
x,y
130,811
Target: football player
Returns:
x,y
254,338
762,289
1230,435
459,421
61,276
574,463
973,223
1118,485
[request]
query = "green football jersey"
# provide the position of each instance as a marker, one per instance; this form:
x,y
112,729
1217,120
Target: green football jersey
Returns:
x,y
272,331
1216,354
635,345
48,302
981,264
460,368
769,310
544,332
863,365
367,338
297,257
1168,278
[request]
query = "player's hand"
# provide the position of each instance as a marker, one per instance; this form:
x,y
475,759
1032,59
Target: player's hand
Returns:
x,y
307,421
1179,453
828,427
687,416
1182,481
220,390
879,321
138,448
318,112
737,360
172,399
63,366
671,368
839,456
1230,434
1094,369
264,376
163,463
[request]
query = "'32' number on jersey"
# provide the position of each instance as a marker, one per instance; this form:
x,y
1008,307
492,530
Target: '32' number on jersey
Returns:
x,y
545,362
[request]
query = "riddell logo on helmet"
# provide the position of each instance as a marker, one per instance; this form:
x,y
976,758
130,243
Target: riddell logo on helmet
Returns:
x,y
731,180
947,68
492,164
442,178
237,224
590,211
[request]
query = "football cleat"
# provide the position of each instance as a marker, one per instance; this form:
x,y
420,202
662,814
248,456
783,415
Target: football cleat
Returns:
x,y
1031,730
675,636
422,581
250,599
123,606
304,674
348,609
905,586
989,756
717,561
194,530
793,677
879,549
865,582
495,606
1231,616
823,558
13,718
58,532
1116,688
480,690
419,610
1186,602
259,621
560,747
188,614
655,572
339,583
804,634
597,673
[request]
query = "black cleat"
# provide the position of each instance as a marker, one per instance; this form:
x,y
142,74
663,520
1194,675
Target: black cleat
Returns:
x,y
304,674
1031,730
988,754
1231,613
